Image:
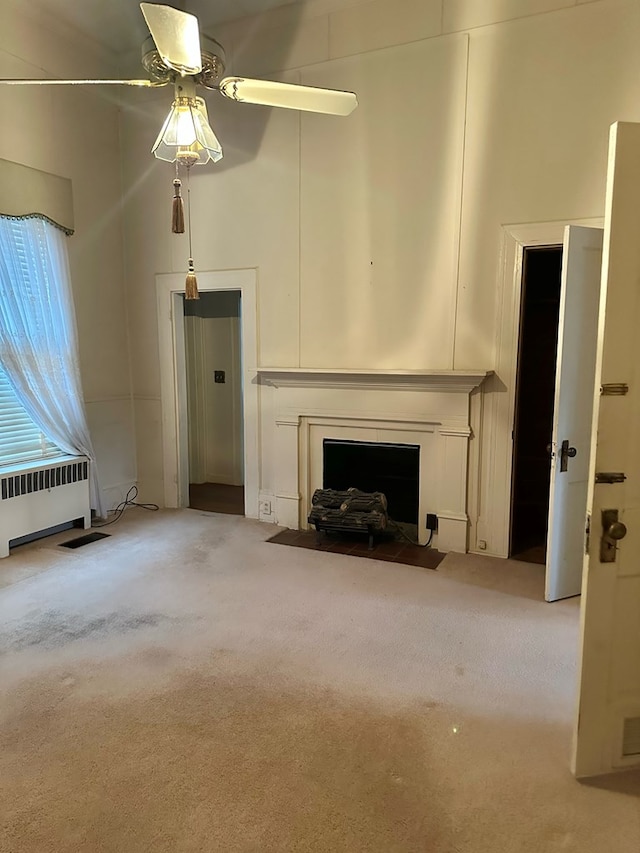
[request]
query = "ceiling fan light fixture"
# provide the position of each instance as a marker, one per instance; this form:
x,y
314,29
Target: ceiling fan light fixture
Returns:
x,y
186,135
176,52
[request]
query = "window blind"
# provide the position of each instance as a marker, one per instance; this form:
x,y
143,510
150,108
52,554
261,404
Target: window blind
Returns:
x,y
20,439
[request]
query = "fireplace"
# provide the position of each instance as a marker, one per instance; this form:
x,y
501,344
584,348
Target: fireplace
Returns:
x,y
392,469
425,411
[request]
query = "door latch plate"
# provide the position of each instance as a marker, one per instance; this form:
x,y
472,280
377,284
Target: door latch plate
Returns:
x,y
566,453
610,477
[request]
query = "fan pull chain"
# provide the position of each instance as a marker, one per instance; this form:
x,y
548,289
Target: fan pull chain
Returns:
x,y
191,284
177,212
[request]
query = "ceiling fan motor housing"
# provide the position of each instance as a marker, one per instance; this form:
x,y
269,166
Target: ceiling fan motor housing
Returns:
x,y
212,63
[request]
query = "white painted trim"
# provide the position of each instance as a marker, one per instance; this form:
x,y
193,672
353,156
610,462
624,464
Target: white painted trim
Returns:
x,y
385,380
453,516
464,431
181,398
169,288
495,509
287,420
327,417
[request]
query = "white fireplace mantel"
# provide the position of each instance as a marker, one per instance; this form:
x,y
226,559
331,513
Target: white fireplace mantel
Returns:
x,y
427,408
463,381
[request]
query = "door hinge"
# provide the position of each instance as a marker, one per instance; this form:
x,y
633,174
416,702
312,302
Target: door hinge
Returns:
x,y
614,389
610,477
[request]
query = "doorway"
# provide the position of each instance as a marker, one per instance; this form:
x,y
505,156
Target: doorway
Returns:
x,y
213,363
534,402
175,431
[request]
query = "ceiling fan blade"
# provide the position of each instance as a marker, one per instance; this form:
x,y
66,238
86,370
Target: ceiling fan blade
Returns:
x,y
289,95
19,81
176,35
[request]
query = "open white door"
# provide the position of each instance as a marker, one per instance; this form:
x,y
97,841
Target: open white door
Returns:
x,y
573,409
607,735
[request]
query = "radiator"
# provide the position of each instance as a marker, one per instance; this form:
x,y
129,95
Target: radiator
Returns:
x,y
37,495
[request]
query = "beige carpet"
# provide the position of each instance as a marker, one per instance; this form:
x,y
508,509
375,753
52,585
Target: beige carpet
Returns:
x,y
185,686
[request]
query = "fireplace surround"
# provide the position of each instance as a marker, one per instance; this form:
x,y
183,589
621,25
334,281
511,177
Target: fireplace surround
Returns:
x,y
426,409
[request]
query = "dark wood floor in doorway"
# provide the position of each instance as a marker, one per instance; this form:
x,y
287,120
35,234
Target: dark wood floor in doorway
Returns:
x,y
217,497
535,554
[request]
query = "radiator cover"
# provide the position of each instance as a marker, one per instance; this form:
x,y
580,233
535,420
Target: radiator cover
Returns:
x,y
37,495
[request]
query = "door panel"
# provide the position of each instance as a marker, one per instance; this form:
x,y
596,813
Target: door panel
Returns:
x,y
573,409
607,732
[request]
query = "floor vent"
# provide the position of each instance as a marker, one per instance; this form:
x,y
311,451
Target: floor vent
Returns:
x,y
47,478
631,736
84,540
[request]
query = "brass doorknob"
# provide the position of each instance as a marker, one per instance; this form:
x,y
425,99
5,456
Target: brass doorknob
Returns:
x,y
616,530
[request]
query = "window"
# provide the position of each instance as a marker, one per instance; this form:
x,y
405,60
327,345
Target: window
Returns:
x,y
38,349
20,439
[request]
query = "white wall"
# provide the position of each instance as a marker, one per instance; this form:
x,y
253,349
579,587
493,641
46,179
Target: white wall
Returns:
x,y
377,237
75,133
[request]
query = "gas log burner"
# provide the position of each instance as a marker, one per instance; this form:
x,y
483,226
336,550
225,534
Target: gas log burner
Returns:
x,y
349,511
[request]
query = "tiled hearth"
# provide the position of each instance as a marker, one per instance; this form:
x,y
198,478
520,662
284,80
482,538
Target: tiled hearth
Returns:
x,y
425,408
388,550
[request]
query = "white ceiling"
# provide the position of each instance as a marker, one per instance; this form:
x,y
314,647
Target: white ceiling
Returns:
x,y
118,25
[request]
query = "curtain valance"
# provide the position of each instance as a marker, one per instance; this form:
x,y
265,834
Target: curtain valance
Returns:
x,y
31,193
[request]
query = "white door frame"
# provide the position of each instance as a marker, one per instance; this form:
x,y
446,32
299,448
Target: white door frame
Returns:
x,y
173,376
499,423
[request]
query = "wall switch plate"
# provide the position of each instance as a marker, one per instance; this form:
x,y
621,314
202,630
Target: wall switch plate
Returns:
x,y
219,376
432,521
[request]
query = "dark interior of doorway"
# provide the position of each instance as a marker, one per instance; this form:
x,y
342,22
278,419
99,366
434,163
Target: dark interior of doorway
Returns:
x,y
535,391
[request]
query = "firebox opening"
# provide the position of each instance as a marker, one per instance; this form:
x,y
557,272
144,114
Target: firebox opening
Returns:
x,y
376,467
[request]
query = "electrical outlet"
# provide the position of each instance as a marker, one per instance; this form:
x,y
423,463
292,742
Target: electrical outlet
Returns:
x,y
265,507
482,545
432,521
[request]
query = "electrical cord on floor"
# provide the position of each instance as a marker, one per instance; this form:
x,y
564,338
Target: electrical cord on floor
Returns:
x,y
129,500
408,538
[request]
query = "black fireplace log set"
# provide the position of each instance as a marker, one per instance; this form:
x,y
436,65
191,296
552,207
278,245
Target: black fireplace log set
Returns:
x,y
349,511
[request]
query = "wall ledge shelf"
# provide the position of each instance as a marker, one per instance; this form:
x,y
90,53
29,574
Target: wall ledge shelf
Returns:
x,y
463,381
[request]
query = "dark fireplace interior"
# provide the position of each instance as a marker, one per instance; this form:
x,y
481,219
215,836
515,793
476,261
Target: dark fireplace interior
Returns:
x,y
376,467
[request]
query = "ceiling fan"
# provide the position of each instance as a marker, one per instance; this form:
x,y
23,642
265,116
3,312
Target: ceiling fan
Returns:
x,y
177,53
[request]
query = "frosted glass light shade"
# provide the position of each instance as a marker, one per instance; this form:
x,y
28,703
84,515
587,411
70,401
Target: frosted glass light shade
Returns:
x,y
186,135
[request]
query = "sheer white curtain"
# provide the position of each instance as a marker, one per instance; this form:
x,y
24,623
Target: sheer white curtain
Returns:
x,y
38,341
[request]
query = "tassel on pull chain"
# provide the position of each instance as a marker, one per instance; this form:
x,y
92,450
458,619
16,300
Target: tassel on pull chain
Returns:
x,y
191,284
177,214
